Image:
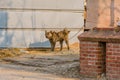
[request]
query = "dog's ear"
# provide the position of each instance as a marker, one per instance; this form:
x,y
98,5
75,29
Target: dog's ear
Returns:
x,y
68,31
51,31
64,29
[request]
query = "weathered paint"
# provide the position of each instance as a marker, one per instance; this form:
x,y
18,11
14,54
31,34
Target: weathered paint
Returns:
x,y
3,19
23,22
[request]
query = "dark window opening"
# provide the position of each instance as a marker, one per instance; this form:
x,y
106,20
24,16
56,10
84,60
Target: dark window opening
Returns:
x,y
103,56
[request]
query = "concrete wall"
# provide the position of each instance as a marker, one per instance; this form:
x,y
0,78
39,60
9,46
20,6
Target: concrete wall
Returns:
x,y
23,22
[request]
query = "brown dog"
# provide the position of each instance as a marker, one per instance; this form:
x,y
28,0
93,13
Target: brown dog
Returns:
x,y
58,36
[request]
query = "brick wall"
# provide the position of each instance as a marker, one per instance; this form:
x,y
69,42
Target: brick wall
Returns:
x,y
91,58
97,58
113,61
100,53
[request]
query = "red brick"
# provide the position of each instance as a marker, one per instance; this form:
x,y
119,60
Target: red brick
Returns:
x,y
91,55
109,53
109,49
109,45
83,54
113,61
91,58
83,44
111,57
116,46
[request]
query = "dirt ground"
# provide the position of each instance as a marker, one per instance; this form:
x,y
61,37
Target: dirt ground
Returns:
x,y
42,65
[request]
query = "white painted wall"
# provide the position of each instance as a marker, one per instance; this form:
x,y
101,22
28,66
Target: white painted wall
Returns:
x,y
22,22
44,19
43,4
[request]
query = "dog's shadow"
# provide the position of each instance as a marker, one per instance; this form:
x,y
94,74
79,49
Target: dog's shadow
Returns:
x,y
45,44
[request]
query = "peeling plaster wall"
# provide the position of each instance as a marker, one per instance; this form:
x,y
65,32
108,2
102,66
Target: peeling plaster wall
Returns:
x,y
102,13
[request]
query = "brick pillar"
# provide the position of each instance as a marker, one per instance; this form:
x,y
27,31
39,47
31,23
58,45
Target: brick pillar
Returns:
x,y
113,61
91,58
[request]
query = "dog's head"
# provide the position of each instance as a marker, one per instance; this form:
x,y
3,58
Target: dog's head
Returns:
x,y
48,34
66,31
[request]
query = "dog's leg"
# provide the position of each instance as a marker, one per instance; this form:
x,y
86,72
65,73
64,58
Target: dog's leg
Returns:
x,y
67,43
61,45
53,46
51,43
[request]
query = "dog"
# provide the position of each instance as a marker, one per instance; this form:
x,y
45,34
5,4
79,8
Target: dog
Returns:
x,y
58,36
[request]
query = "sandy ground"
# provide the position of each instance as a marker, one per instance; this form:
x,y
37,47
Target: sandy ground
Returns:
x,y
42,65
12,72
